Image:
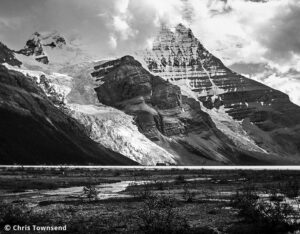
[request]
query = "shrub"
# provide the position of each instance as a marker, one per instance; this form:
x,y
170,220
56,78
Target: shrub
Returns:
x,y
291,188
117,173
13,214
90,192
159,215
265,216
180,179
159,185
245,203
188,195
274,214
274,191
20,214
141,191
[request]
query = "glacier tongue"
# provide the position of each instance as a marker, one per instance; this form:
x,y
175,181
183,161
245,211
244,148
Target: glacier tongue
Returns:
x,y
115,130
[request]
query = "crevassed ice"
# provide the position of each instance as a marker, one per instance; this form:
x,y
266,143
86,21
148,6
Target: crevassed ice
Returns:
x,y
115,130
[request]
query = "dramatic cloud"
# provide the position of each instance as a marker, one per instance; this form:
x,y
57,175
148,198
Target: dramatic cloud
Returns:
x,y
249,31
259,38
253,31
281,36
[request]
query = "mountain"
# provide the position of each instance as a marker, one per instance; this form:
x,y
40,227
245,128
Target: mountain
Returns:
x,y
52,48
173,121
265,115
71,87
37,44
35,130
8,56
285,81
173,104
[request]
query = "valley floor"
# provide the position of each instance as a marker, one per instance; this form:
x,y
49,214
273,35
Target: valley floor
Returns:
x,y
89,200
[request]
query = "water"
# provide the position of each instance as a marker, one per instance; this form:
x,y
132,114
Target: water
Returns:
x,y
105,191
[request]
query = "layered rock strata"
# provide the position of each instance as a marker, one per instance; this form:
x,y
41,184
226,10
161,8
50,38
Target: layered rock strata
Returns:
x,y
180,58
170,119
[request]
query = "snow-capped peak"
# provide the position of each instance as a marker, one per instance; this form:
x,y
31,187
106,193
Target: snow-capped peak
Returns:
x,y
53,49
50,38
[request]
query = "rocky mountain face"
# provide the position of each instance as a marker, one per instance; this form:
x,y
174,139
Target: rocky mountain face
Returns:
x,y
265,114
70,88
51,50
36,45
184,107
285,81
35,130
8,56
172,120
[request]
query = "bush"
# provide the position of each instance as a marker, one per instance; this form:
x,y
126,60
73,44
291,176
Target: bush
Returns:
x,y
141,191
159,215
90,192
180,179
188,195
246,204
274,191
159,185
13,214
20,214
273,214
291,188
265,216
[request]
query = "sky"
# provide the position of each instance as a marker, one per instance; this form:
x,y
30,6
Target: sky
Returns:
x,y
245,31
245,34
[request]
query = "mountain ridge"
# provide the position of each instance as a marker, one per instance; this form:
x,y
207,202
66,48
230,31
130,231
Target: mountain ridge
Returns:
x,y
35,131
185,107
180,58
170,119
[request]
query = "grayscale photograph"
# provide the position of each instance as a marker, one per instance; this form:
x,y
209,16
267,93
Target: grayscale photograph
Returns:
x,y
150,116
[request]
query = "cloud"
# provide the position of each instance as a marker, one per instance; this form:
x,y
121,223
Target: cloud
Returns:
x,y
285,82
256,31
10,23
281,35
120,21
250,31
134,24
113,42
